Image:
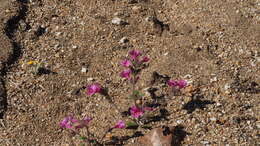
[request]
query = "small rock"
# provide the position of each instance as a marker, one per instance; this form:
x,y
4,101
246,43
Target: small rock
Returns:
x,y
136,8
83,69
149,18
258,125
179,121
227,86
74,47
205,142
90,79
218,104
157,137
118,21
213,119
123,40
213,79
117,14
58,33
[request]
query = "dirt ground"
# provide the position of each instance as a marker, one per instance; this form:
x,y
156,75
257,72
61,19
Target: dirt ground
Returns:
x,y
214,44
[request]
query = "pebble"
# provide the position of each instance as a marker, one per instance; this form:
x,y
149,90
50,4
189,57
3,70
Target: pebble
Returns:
x,y
218,104
83,70
179,121
205,142
123,40
136,8
117,21
188,76
74,47
213,119
227,86
90,79
258,125
149,18
58,33
214,79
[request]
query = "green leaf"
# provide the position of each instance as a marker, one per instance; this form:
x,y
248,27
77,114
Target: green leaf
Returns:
x,y
136,94
82,138
131,124
146,126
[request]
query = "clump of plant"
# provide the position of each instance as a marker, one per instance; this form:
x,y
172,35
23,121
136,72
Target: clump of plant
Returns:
x,y
35,67
133,64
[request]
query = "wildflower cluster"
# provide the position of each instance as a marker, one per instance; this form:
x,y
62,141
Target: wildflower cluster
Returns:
x,y
133,64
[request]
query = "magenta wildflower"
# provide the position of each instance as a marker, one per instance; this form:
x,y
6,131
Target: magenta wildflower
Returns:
x,y
126,73
182,83
136,112
92,89
68,122
126,63
145,59
120,124
134,54
72,123
172,83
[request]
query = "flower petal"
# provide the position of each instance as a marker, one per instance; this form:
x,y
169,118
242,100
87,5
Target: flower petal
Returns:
x,y
134,54
126,73
145,59
126,63
182,83
172,83
120,124
94,88
136,112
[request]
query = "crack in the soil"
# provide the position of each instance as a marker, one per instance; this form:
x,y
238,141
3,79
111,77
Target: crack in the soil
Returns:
x,y
10,28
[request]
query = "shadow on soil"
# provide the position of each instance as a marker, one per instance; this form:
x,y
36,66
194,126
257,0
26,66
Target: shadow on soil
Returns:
x,y
119,141
10,27
179,135
196,103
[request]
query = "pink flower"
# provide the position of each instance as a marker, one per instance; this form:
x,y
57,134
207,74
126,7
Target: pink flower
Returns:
x,y
68,122
120,124
92,89
126,63
126,73
172,83
182,83
145,59
136,112
72,123
134,54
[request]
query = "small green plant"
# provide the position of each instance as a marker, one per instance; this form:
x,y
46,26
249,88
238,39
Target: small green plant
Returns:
x,y
35,67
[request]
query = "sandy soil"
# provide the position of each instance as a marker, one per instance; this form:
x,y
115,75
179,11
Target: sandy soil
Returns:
x,y
213,44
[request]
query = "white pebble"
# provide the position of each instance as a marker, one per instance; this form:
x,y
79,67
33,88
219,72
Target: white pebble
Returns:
x,y
213,119
83,70
179,121
123,40
90,79
227,86
117,21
